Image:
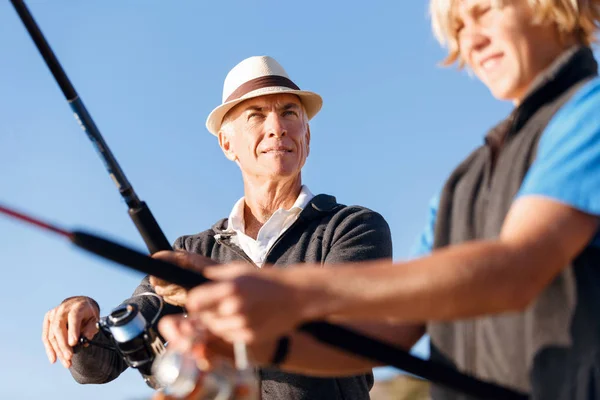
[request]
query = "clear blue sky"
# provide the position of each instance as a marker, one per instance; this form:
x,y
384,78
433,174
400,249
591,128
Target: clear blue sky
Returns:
x,y
392,127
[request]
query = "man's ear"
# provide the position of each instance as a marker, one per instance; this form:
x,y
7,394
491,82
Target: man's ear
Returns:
x,y
307,140
225,144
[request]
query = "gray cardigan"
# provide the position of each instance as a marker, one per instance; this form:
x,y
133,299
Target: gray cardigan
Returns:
x,y
324,233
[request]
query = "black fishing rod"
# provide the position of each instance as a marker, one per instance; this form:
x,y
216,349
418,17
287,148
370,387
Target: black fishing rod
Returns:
x,y
139,212
333,335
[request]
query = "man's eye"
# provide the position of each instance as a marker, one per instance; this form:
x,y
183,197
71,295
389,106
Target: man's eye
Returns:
x,y
290,112
253,115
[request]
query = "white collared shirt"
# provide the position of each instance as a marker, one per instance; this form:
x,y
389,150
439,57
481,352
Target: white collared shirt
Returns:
x,y
279,222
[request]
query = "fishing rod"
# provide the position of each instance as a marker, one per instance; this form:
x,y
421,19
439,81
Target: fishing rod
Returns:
x,y
333,335
140,213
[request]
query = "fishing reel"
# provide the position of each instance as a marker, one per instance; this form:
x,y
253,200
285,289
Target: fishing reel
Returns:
x,y
179,373
133,338
188,374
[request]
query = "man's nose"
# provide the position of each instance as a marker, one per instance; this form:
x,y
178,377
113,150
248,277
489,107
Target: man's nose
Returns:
x,y
473,38
275,126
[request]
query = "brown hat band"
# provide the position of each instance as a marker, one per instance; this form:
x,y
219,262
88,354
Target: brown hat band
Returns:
x,y
259,83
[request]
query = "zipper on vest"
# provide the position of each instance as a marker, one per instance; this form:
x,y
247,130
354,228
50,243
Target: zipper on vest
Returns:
x,y
235,249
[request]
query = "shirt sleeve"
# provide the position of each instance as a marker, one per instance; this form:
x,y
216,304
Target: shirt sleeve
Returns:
x,y
567,165
361,235
424,243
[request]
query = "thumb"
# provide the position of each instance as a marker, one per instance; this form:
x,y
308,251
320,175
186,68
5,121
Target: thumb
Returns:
x,y
90,329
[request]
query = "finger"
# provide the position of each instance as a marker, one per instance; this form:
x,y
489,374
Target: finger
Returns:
x,y
159,290
94,309
186,327
59,330
169,328
180,333
154,281
168,290
176,300
230,306
239,335
74,325
59,354
208,296
228,329
45,337
89,329
224,326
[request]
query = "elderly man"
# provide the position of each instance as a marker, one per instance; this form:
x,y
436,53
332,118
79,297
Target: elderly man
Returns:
x,y
262,125
511,292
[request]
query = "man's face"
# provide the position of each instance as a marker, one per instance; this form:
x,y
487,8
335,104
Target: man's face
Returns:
x,y
503,46
268,136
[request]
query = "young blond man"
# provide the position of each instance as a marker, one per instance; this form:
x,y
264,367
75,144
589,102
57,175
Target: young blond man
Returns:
x,y
511,290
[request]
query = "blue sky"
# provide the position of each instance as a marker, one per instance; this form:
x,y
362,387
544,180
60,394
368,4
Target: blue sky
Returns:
x,y
393,126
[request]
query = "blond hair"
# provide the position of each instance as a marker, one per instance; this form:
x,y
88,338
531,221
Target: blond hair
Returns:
x,y
573,18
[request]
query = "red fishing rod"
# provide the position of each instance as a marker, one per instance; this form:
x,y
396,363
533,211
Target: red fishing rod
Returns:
x,y
333,335
115,252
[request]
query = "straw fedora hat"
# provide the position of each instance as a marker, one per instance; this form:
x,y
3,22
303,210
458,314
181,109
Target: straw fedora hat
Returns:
x,y
258,76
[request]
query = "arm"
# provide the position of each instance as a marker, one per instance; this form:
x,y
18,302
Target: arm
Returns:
x,y
539,238
310,357
96,365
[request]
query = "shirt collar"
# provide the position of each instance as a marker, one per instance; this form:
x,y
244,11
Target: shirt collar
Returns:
x,y
236,217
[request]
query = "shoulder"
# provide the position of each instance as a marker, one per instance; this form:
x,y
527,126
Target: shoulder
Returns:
x,y
200,242
575,127
341,215
580,110
589,92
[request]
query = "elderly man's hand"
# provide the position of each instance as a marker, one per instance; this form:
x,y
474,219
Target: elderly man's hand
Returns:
x,y
181,332
171,293
251,306
64,324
